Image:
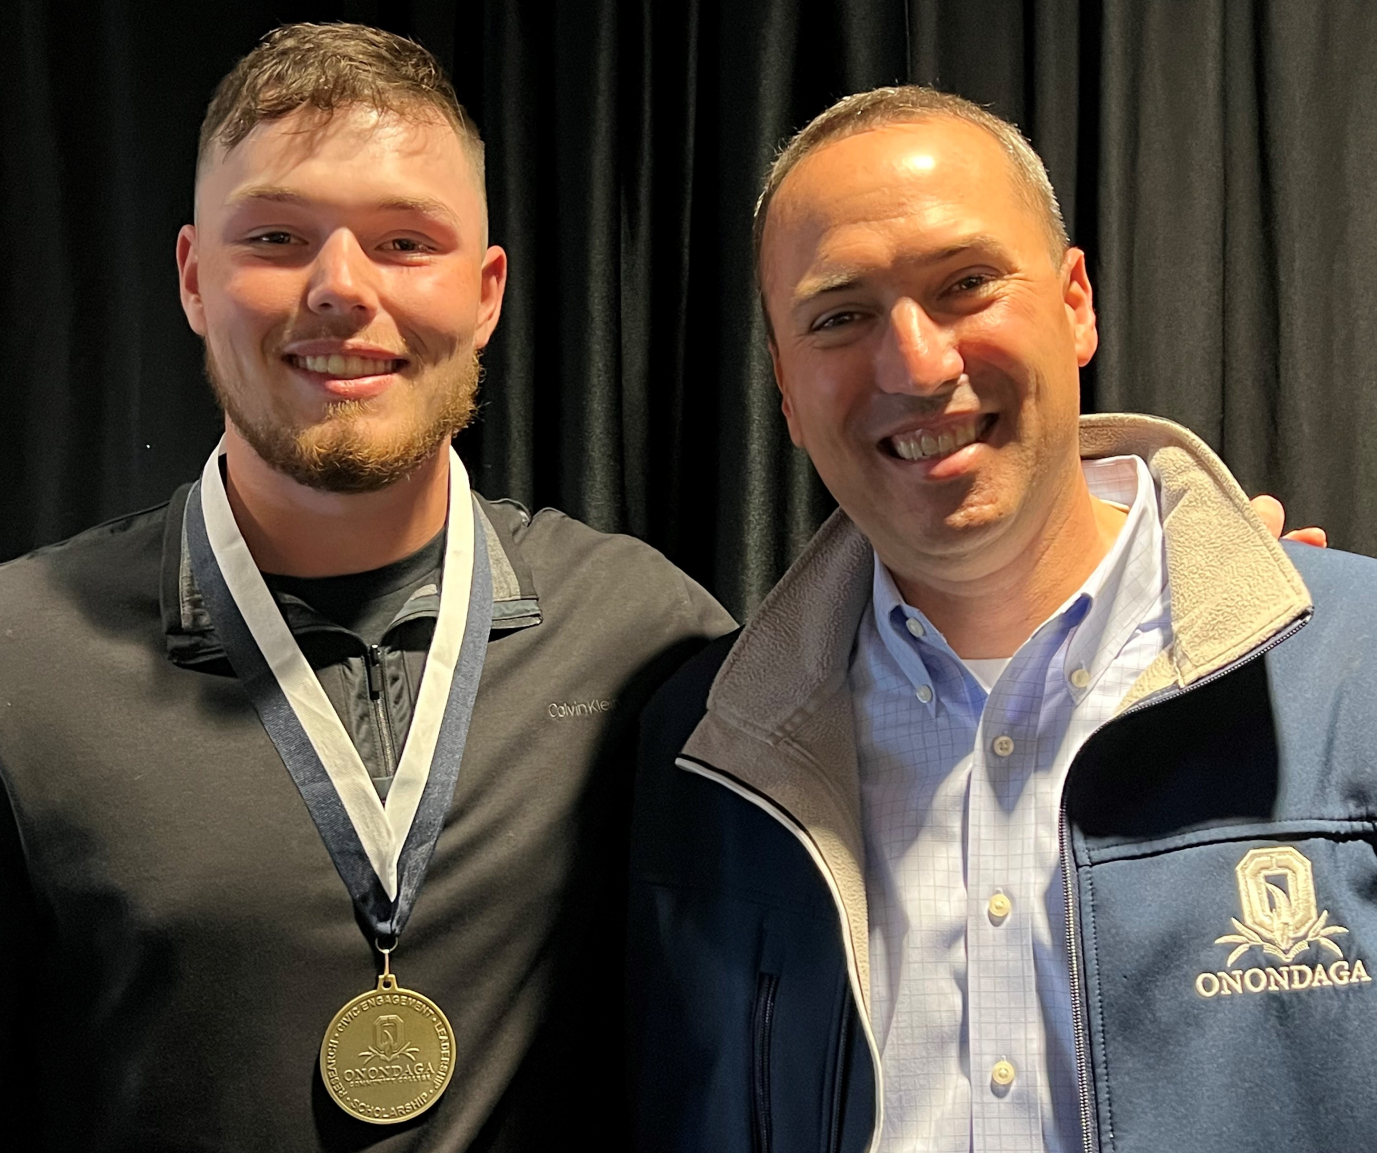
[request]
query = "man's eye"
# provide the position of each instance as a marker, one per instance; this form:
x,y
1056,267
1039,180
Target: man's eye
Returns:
x,y
833,320
406,244
971,282
271,238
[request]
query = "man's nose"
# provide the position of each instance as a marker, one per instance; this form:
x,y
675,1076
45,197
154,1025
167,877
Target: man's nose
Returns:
x,y
342,279
918,355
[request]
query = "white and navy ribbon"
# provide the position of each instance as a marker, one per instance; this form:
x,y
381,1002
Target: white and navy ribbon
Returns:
x,y
381,852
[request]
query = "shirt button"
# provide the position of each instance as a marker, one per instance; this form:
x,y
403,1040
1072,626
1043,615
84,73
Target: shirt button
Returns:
x,y
923,693
1002,1074
915,627
1080,678
1000,907
1003,746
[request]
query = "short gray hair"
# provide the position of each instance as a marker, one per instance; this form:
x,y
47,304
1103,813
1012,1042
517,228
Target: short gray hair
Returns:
x,y
904,105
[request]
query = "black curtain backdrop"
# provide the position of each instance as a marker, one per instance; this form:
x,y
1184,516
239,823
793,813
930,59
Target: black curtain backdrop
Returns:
x,y
1215,158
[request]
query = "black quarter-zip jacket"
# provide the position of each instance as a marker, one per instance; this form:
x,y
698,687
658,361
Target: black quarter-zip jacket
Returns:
x,y
178,938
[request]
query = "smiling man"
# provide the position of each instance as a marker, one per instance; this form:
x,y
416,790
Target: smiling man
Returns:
x,y
298,849
1023,813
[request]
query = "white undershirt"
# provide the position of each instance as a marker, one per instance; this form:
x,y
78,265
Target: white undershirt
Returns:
x,y
987,671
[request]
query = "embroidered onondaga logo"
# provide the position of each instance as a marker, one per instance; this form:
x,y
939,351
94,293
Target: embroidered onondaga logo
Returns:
x,y
1282,919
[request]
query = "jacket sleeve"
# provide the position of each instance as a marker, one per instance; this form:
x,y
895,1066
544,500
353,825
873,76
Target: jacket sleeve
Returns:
x,y
669,1080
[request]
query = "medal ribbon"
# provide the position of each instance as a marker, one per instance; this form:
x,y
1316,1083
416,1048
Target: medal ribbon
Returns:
x,y
381,853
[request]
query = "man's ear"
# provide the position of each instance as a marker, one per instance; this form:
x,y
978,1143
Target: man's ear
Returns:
x,y
787,408
189,279
491,289
1080,305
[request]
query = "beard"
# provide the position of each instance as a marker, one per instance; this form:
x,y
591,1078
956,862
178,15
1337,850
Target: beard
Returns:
x,y
341,452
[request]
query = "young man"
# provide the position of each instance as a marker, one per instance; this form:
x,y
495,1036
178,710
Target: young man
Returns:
x,y
258,908
1033,809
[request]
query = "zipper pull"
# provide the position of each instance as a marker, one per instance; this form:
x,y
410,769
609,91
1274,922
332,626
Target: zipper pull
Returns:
x,y
373,661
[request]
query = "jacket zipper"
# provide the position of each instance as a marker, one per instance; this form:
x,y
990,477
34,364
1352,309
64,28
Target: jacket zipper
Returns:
x,y
373,661
1089,1135
785,818
1089,1131
762,1026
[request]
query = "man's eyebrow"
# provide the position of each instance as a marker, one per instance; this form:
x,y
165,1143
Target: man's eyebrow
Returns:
x,y
810,288
423,205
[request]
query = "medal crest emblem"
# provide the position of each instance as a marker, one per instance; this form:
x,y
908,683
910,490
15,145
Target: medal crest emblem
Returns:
x,y
389,1040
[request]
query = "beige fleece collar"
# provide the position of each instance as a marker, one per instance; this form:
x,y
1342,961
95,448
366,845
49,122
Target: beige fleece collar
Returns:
x,y
1232,587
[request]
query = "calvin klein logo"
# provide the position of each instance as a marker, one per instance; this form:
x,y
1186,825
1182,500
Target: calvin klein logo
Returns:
x,y
557,710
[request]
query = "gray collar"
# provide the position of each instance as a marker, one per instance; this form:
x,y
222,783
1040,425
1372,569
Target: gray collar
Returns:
x,y
190,635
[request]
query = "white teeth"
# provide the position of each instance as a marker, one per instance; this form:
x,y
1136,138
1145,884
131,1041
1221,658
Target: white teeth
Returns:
x,y
346,367
920,444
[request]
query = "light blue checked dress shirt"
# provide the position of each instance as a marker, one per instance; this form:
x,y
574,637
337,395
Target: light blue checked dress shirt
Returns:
x,y
961,794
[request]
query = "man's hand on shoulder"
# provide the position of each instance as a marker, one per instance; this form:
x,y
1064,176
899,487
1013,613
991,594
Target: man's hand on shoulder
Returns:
x,y
1273,515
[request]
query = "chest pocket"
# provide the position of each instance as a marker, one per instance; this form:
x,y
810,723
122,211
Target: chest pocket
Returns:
x,y
795,1051
1249,963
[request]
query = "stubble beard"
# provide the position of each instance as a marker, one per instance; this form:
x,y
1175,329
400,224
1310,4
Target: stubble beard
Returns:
x,y
339,452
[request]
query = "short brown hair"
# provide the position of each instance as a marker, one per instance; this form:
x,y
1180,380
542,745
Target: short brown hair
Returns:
x,y
903,105
328,66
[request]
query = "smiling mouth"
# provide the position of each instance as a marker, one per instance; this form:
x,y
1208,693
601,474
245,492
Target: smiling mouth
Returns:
x,y
925,444
340,367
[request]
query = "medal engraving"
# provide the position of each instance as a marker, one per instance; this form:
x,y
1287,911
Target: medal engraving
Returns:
x,y
388,1054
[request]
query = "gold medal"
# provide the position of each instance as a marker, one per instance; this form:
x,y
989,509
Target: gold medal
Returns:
x,y
388,1054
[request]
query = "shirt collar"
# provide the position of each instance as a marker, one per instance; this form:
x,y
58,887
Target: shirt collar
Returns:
x,y
1103,613
190,636
1128,589
907,634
